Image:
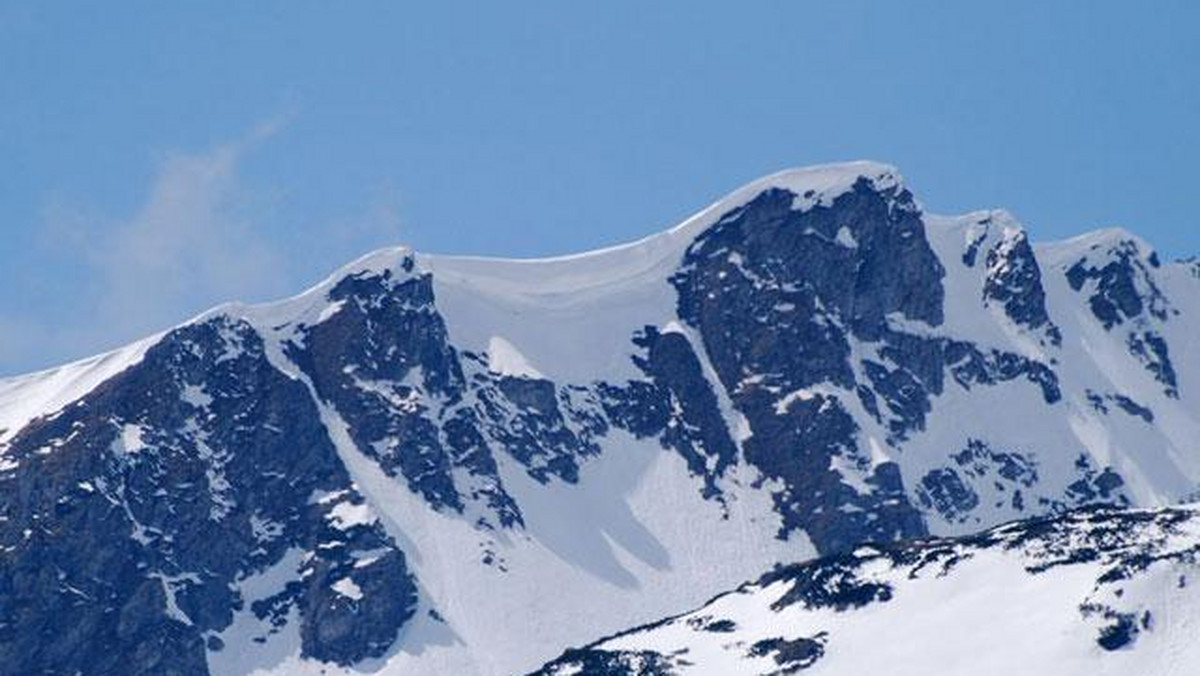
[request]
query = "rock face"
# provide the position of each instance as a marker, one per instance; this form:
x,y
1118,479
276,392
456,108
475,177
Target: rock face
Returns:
x,y
777,296
1105,591
423,461
132,514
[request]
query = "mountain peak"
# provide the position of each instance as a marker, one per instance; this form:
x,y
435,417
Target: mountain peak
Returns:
x,y
820,184
834,178
1099,243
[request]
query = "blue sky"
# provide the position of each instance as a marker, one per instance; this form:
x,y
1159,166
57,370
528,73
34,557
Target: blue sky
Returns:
x,y
159,158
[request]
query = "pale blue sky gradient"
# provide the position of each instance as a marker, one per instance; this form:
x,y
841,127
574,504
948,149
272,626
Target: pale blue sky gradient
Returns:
x,y
158,158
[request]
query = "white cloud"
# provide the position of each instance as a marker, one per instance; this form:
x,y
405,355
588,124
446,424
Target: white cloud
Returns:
x,y
201,236
192,243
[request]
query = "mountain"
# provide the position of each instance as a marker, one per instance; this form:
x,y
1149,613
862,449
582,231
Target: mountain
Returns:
x,y
1097,591
432,464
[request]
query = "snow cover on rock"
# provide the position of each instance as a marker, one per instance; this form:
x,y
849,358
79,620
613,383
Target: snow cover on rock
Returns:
x,y
1099,591
23,398
573,315
539,452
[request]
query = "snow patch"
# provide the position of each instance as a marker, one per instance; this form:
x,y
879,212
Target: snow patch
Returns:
x,y
504,358
347,587
194,395
346,515
130,441
846,238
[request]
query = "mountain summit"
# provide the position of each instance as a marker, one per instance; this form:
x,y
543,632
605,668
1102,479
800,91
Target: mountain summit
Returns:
x,y
451,465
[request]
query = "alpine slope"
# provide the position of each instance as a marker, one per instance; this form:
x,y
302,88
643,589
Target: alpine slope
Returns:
x,y
451,465
1096,592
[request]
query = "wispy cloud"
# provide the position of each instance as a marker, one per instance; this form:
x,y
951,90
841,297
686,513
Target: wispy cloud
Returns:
x,y
197,239
202,235
194,240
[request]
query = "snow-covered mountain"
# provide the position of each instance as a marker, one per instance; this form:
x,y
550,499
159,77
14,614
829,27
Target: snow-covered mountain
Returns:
x,y
431,464
1097,591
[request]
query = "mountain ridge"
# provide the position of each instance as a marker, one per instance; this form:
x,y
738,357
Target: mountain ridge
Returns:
x,y
809,363
377,258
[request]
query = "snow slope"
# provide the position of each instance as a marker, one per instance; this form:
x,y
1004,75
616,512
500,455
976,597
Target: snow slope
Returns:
x,y
1093,592
23,398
